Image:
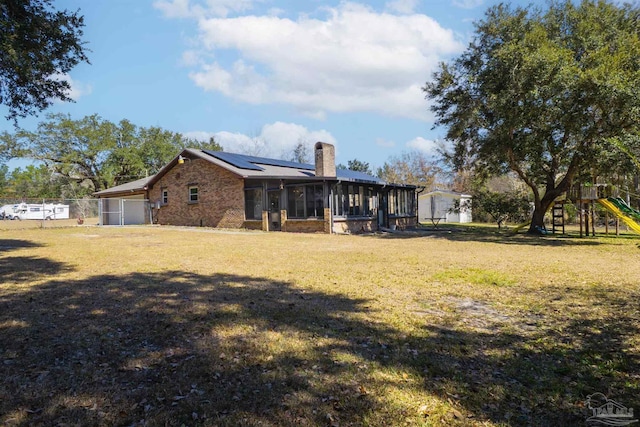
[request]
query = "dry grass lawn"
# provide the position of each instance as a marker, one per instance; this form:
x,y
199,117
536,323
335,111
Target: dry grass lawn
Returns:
x,y
169,326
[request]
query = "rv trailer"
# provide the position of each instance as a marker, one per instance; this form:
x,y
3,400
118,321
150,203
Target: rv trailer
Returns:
x,y
35,211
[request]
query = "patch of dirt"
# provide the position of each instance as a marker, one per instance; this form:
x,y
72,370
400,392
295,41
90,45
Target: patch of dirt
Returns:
x,y
482,316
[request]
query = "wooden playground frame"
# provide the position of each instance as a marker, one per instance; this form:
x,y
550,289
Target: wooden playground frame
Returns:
x,y
585,196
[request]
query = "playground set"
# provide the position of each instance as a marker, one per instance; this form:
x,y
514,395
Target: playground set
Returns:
x,y
586,197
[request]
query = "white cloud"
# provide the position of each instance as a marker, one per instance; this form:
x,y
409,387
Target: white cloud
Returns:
x,y
78,89
381,142
426,146
274,140
402,6
352,59
174,8
189,9
190,58
467,4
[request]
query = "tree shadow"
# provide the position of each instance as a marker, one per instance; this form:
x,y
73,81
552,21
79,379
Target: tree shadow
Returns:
x,y
27,268
13,244
484,235
177,348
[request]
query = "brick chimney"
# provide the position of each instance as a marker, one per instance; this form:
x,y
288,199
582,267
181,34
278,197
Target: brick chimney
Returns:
x,y
325,159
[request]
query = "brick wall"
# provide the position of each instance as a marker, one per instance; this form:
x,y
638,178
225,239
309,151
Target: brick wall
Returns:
x,y
342,226
304,226
403,222
253,225
220,196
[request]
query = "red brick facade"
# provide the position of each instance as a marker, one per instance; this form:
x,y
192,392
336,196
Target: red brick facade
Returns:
x,y
198,189
220,196
221,204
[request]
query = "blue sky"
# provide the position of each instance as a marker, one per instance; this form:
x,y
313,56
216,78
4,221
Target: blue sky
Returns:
x,y
262,75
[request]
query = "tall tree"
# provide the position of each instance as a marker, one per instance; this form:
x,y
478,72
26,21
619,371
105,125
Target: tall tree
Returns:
x,y
357,165
413,168
76,149
4,178
301,152
39,45
34,181
97,151
541,92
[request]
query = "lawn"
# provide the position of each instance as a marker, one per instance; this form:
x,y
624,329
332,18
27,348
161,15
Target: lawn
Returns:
x,y
170,326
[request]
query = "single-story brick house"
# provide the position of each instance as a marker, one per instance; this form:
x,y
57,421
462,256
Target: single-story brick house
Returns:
x,y
226,190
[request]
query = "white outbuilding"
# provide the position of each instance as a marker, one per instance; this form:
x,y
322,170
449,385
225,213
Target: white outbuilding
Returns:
x,y
439,206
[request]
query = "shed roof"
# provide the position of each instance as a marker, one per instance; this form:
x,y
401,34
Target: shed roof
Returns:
x,y
136,186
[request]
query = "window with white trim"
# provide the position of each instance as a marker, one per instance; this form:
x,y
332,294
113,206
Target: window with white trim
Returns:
x,y
193,194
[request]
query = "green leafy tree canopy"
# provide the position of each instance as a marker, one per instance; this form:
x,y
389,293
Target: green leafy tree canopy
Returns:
x,y
541,93
96,151
358,166
38,45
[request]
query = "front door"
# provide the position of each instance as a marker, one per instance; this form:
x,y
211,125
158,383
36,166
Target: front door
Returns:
x,y
383,215
274,210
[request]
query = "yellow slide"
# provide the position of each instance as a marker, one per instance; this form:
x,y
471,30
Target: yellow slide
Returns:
x,y
617,212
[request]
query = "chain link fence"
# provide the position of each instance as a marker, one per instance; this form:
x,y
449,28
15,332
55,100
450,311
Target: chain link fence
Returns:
x,y
48,213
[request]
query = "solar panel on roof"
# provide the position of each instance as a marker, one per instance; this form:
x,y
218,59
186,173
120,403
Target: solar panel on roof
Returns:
x,y
236,160
243,161
250,162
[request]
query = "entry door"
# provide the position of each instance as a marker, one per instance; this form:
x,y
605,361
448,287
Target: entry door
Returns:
x,y
383,215
274,210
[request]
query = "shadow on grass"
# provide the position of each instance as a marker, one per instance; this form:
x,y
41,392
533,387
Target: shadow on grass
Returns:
x,y
176,348
461,233
13,244
24,268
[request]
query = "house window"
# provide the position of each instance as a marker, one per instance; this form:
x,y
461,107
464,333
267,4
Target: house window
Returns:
x,y
315,201
338,201
295,196
355,200
392,202
305,201
193,194
253,203
165,196
401,202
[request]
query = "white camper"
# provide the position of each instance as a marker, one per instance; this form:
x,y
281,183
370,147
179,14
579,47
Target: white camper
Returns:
x,y
5,211
37,211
